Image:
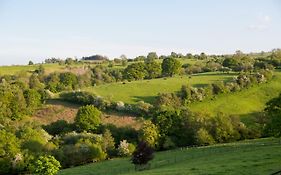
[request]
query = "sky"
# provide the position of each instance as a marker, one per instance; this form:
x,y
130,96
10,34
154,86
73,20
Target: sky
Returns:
x,y
39,29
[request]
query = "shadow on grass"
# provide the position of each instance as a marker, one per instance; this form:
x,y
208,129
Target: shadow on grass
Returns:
x,y
214,73
250,118
147,99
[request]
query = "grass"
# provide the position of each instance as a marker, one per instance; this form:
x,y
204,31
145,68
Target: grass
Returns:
x,y
16,69
147,90
245,103
260,156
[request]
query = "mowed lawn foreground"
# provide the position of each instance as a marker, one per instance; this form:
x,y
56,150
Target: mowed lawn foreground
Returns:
x,y
260,156
147,90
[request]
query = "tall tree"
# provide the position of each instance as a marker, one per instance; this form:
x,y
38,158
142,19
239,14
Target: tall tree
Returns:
x,y
170,66
151,56
135,71
153,69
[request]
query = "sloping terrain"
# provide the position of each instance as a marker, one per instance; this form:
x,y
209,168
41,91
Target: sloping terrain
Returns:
x,y
147,90
260,156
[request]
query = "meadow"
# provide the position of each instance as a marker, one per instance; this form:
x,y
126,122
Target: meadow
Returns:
x,y
260,156
16,69
55,67
245,103
147,90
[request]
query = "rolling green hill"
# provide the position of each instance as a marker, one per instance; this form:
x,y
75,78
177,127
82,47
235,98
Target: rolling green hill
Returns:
x,y
15,69
146,90
244,103
260,156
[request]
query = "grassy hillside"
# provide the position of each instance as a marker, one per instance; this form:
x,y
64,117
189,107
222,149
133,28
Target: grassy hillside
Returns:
x,y
15,69
245,103
146,90
261,156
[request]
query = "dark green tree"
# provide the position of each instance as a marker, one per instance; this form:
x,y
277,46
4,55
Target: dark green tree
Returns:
x,y
30,63
273,112
153,69
170,66
33,99
152,56
135,71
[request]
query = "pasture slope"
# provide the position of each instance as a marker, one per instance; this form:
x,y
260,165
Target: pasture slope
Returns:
x,y
147,90
245,103
55,67
260,156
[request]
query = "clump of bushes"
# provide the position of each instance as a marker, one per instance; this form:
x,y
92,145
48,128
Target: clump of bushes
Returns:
x,y
85,98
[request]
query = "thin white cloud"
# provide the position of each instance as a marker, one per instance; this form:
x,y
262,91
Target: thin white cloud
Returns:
x,y
262,23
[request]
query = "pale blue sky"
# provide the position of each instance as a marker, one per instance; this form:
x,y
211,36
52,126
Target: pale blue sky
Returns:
x,y
39,29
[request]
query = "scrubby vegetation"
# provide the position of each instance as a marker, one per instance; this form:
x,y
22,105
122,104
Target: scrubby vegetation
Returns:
x,y
169,120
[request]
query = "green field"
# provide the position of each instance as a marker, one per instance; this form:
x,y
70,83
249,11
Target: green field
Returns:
x,y
261,156
15,69
245,103
146,90
12,70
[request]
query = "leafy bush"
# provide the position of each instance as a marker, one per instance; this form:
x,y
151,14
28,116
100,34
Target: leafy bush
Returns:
x,y
88,118
167,100
273,111
149,133
122,133
80,148
108,143
125,148
203,137
59,127
45,165
85,98
142,155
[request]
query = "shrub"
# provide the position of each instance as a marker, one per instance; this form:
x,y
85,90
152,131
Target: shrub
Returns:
x,y
167,100
203,137
149,133
125,148
88,118
142,108
168,143
122,133
9,149
142,155
33,139
222,128
85,150
45,165
85,98
273,123
58,127
120,106
108,142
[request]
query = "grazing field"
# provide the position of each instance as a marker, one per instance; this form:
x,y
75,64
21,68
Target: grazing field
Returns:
x,y
245,103
12,70
15,69
146,90
260,156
